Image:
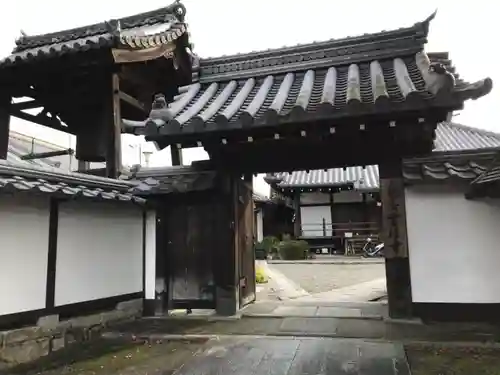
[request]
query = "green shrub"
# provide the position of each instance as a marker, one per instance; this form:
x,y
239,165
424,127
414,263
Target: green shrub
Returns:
x,y
293,250
267,246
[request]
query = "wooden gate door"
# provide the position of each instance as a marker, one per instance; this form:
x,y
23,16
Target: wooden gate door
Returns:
x,y
189,258
245,243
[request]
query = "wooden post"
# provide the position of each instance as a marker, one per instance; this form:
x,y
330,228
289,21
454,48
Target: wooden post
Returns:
x,y
332,214
226,271
297,226
176,154
5,104
112,115
394,236
83,165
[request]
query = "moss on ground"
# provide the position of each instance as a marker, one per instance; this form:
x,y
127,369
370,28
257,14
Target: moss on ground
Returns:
x,y
446,360
109,357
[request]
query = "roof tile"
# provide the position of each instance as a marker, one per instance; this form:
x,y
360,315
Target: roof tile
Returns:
x,y
16,177
449,137
143,30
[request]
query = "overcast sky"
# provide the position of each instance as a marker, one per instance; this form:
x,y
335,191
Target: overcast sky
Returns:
x,y
465,29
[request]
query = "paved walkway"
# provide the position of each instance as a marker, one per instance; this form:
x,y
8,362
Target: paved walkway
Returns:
x,y
331,259
310,308
367,291
298,356
285,289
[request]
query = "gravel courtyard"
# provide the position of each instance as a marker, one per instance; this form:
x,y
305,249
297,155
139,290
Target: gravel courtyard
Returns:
x,y
323,277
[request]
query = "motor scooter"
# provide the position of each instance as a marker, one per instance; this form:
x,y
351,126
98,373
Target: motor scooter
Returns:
x,y
371,250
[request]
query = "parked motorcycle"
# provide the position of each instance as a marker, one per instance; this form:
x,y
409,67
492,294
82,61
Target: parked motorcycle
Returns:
x,y
371,250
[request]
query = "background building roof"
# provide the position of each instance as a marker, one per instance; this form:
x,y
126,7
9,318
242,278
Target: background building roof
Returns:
x,y
450,137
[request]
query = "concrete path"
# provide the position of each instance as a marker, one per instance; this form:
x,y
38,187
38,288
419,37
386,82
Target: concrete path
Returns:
x,y
331,259
297,356
285,288
361,292
305,309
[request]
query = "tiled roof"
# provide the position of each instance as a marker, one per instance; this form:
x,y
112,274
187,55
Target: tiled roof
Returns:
x,y
163,180
467,170
259,198
143,30
362,75
21,145
450,137
18,178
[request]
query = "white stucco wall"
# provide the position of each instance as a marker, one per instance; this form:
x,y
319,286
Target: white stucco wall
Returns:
x,y
99,251
259,225
24,232
311,218
454,246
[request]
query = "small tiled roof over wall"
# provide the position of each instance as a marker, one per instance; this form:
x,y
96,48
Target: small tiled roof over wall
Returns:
x,y
450,137
19,178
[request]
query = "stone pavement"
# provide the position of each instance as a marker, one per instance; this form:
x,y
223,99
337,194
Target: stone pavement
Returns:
x,y
236,355
284,288
312,326
298,356
311,308
366,291
331,259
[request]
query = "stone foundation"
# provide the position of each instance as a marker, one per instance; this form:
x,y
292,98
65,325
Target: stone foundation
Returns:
x,y
30,343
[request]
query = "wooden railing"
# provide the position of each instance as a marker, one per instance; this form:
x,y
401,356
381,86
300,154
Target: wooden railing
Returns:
x,y
340,230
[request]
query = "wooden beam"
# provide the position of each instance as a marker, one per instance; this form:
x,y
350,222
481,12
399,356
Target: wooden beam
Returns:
x,y
27,104
395,237
176,154
297,225
112,119
132,101
5,103
49,154
49,122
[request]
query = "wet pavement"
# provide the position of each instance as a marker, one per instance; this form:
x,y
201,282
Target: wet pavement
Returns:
x,y
239,356
317,326
294,356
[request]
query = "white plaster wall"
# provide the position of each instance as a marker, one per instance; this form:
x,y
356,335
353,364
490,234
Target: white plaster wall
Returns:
x,y
99,251
260,225
24,234
454,246
312,220
150,266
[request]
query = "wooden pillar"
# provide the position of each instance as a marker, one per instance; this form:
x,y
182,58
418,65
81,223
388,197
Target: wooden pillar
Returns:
x,y
394,236
112,115
149,260
176,154
332,214
5,104
297,230
226,270
83,165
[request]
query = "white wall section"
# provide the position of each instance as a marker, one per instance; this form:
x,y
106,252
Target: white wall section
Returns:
x,y
24,232
150,267
312,220
453,245
99,251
